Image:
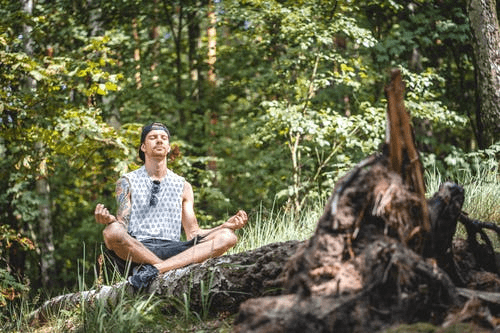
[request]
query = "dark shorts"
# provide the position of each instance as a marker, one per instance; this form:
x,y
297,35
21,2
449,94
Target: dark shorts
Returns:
x,y
163,249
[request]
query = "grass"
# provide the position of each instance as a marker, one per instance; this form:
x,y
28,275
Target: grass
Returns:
x,y
482,195
277,226
482,191
154,313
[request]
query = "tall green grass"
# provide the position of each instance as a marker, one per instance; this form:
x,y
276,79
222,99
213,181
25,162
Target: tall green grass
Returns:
x,y
277,225
481,188
481,194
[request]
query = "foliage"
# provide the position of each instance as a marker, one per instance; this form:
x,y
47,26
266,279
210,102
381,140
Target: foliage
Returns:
x,y
47,134
10,287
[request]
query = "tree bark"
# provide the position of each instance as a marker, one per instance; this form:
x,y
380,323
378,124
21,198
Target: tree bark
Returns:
x,y
194,43
45,232
137,54
212,43
486,43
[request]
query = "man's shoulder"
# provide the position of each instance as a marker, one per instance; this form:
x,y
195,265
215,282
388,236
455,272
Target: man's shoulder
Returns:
x,y
175,176
134,173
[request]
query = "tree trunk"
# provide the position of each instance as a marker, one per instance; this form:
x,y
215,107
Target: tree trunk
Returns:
x,y
45,235
486,41
95,16
194,44
155,37
137,54
212,43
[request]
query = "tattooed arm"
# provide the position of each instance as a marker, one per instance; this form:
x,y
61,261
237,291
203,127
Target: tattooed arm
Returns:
x,y
123,200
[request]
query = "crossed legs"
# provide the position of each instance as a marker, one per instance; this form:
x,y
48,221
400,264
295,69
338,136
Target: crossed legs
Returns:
x,y
126,247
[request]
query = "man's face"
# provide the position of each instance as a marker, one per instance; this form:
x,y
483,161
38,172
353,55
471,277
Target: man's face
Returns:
x,y
156,144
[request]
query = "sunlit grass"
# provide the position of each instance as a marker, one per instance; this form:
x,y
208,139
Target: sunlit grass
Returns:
x,y
277,226
482,194
481,188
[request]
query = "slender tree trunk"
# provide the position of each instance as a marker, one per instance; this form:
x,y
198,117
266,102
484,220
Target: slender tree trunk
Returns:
x,y
137,54
486,41
95,14
176,29
45,234
295,139
178,52
212,80
212,42
154,36
194,45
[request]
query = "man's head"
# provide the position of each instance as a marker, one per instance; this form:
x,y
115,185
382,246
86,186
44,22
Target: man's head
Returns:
x,y
146,129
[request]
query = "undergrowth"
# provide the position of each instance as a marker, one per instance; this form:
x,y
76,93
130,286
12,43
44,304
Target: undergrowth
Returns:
x,y
158,314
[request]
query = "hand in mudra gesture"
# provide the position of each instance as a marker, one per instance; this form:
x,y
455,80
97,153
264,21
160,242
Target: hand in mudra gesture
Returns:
x,y
237,221
102,215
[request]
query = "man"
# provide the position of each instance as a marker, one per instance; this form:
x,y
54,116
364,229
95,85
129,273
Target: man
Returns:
x,y
153,204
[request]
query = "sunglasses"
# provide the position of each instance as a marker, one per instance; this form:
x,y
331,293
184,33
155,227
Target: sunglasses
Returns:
x,y
154,190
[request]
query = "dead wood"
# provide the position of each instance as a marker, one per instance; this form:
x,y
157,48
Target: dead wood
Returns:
x,y
401,143
394,285
382,254
483,252
230,279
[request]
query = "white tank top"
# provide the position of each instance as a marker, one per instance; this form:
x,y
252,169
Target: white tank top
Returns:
x,y
162,221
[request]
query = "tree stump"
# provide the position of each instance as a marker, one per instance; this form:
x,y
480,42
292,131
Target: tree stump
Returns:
x,y
381,253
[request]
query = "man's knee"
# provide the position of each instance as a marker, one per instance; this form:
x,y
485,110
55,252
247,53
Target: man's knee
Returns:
x,y
227,238
113,234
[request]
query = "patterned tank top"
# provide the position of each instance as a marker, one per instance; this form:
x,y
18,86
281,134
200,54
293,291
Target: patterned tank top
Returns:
x,y
163,220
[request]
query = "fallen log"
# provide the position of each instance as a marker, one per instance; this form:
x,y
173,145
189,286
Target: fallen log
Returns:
x,y
487,296
228,281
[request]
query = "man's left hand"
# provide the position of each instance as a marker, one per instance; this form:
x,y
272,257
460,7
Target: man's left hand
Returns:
x,y
237,221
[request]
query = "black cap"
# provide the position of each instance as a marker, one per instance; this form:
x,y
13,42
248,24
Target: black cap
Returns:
x,y
145,130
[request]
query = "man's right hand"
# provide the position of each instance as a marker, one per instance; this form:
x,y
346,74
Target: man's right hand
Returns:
x,y
237,221
102,215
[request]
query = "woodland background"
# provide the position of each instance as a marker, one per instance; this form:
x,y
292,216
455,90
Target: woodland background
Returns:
x,y
268,103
